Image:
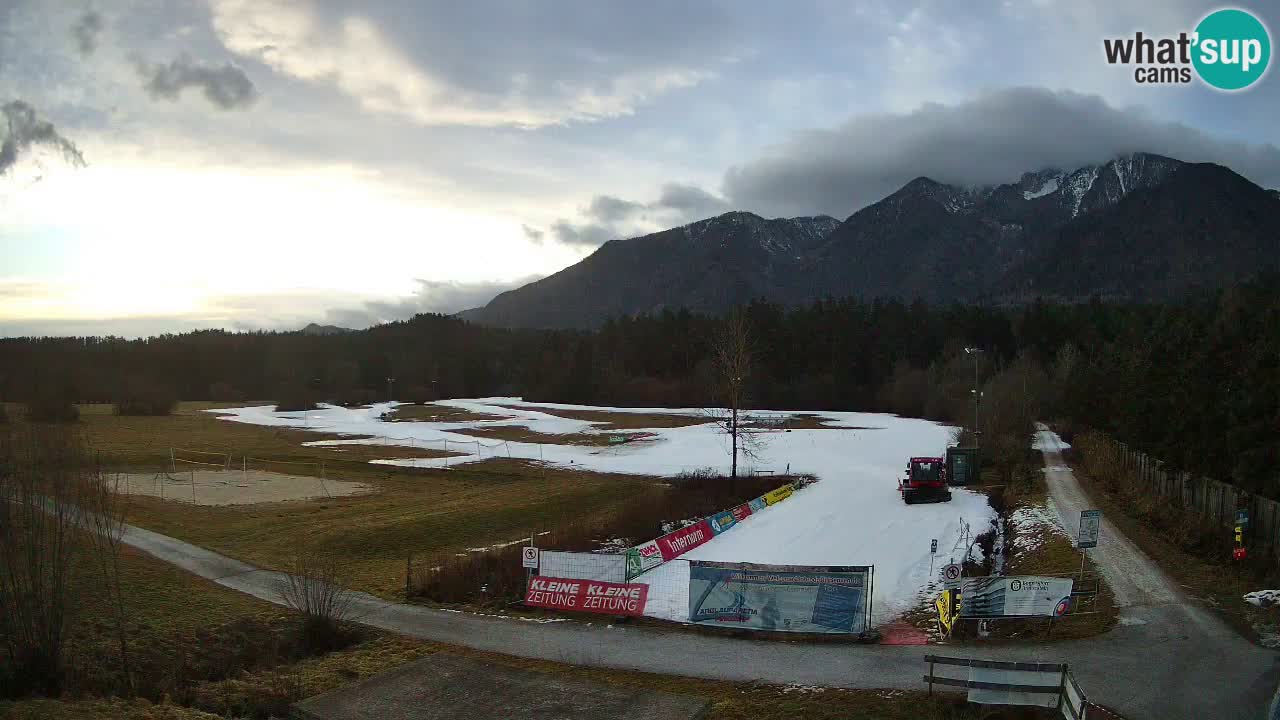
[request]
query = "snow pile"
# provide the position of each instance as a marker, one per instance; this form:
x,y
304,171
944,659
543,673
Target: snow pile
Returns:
x,y
1048,441
1263,598
853,516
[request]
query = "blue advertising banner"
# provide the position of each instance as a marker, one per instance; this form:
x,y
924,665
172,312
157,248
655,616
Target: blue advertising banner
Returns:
x,y
782,598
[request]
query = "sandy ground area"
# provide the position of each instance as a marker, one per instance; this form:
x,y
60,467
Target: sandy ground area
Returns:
x,y
233,487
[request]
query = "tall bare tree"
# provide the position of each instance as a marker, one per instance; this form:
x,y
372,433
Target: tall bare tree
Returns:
x,y
732,360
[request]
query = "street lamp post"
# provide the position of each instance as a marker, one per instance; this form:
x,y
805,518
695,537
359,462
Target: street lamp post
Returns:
x,y
977,394
390,385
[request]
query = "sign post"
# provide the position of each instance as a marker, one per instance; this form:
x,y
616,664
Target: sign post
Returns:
x,y
951,575
529,560
933,550
1238,552
1090,529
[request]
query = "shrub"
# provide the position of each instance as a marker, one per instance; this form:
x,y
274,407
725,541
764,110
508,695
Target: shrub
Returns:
x,y
52,406
295,397
418,395
142,396
225,391
317,586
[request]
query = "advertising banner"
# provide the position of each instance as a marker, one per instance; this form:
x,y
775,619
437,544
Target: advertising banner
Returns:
x,y
785,598
727,519
643,558
586,596
675,544
989,597
757,504
773,497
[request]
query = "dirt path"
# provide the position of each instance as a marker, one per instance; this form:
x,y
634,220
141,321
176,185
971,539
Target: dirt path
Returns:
x,y
1133,577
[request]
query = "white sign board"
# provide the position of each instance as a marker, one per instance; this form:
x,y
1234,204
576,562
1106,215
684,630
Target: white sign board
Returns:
x,y
529,557
1090,527
1019,596
951,573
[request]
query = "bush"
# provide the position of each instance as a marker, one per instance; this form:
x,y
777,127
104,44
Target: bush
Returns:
x,y
225,391
52,406
142,396
317,586
294,398
418,395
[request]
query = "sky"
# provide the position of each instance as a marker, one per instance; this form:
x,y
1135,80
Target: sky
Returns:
x,y
168,165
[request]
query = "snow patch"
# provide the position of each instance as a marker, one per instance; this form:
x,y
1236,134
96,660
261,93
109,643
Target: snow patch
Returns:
x,y
1263,598
854,516
1050,187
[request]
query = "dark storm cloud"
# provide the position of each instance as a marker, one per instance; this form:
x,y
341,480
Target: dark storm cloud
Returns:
x,y
25,130
226,85
85,32
432,296
607,217
993,138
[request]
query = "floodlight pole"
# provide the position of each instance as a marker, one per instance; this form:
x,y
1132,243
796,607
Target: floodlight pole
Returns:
x,y
975,352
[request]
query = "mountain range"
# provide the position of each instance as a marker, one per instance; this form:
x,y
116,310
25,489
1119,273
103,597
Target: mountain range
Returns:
x,y
1139,227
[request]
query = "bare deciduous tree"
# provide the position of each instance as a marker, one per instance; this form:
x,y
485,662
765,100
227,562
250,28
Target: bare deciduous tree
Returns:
x,y
732,360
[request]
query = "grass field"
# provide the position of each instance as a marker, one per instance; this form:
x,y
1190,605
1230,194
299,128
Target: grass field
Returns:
x,y
224,642
438,413
620,420
412,511
515,433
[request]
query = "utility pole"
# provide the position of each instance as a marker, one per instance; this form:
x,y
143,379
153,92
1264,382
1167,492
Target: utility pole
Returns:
x,y
975,352
390,384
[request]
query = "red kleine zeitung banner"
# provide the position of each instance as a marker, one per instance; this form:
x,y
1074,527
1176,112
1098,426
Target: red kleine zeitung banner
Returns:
x,y
594,596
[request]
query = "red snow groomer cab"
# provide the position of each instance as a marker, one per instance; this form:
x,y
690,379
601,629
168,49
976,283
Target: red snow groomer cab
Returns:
x,y
926,481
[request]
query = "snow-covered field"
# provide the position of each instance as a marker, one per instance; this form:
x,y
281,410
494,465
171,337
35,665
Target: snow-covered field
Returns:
x,y
852,516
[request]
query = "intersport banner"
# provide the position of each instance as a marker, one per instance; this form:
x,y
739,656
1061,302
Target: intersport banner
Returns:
x,y
594,596
1025,596
784,598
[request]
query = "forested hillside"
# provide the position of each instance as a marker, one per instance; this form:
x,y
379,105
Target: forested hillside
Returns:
x,y
1196,382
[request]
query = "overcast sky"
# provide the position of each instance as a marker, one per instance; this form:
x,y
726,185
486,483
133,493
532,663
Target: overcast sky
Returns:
x,y
171,164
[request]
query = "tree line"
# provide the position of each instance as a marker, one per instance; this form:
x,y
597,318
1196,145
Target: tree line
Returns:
x,y
1194,382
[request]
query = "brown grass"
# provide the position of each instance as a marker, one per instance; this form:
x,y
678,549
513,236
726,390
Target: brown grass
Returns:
x,y
177,611
495,578
412,511
523,434
439,413
620,420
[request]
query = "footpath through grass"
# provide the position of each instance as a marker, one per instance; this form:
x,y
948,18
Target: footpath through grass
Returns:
x,y
213,652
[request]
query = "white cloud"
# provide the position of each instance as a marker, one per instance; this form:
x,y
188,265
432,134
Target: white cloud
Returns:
x,y
355,54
